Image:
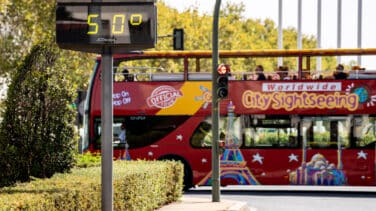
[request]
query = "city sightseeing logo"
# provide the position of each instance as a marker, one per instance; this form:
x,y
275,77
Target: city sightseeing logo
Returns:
x,y
163,97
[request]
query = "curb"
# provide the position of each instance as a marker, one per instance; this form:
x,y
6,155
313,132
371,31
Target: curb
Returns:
x,y
204,204
240,206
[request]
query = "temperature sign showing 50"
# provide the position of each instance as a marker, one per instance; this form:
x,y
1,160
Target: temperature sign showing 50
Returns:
x,y
118,23
89,26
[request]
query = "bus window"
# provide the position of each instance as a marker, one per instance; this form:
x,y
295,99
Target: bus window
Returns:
x,y
202,135
365,131
273,132
140,130
327,132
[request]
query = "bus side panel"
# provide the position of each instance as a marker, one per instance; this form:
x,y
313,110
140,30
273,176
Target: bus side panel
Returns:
x,y
359,166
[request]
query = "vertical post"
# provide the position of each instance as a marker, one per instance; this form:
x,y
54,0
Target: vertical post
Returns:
x,y
304,137
186,63
339,149
107,135
319,8
339,28
215,108
299,41
300,66
280,31
360,8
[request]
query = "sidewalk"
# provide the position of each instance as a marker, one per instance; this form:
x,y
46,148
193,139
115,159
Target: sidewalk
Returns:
x,y
204,204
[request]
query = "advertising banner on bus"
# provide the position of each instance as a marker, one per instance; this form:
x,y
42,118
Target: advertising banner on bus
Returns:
x,y
308,97
253,97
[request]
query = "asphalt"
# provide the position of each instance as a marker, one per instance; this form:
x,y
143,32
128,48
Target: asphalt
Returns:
x,y
205,204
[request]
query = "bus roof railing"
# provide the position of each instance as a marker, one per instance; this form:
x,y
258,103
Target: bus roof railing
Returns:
x,y
170,75
251,53
206,76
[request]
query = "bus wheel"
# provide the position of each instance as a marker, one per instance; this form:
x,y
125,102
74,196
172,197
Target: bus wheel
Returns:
x,y
188,177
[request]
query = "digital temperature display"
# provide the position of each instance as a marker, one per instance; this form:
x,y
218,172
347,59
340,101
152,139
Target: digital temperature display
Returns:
x,y
90,25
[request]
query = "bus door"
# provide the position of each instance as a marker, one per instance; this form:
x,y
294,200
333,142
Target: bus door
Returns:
x,y
325,141
363,145
270,147
339,150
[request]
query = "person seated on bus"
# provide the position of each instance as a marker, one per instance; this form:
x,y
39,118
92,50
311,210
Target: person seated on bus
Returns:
x,y
357,68
339,73
279,72
293,142
202,135
123,135
329,77
130,77
286,76
283,73
260,73
231,76
306,75
127,76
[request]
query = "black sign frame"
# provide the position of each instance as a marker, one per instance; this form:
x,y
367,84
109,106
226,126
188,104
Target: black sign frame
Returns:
x,y
122,25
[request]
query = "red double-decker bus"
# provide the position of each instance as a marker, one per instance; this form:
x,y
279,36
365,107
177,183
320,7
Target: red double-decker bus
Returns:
x,y
304,131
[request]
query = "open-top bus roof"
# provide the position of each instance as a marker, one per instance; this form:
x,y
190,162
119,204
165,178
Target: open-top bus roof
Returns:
x,y
250,53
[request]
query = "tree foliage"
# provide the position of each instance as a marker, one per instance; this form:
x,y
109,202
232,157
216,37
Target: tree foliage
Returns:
x,y
36,134
236,32
25,23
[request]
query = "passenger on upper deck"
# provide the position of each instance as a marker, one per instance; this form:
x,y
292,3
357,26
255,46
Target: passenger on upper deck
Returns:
x,y
283,72
127,76
357,68
339,74
306,75
260,73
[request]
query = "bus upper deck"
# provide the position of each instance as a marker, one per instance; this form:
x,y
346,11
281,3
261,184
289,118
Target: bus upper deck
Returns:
x,y
196,65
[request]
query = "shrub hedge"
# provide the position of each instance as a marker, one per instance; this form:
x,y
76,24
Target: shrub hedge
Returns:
x,y
138,185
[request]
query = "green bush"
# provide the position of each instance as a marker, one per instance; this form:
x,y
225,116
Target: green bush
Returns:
x,y
138,185
88,160
37,130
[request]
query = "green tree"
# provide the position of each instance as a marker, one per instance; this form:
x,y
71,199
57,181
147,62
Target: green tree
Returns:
x,y
25,23
36,134
236,32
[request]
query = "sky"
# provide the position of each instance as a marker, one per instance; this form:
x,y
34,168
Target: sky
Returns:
x,y
263,9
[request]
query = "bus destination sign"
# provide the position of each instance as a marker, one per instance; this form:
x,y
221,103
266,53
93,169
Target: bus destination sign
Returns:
x,y
89,25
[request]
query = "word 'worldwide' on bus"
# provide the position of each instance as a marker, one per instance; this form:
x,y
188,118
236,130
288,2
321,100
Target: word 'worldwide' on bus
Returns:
x,y
313,130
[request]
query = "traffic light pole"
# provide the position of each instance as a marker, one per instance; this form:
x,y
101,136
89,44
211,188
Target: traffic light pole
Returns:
x,y
215,109
107,135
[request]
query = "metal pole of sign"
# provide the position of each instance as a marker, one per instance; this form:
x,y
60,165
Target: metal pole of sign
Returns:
x,y
359,37
215,109
107,135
